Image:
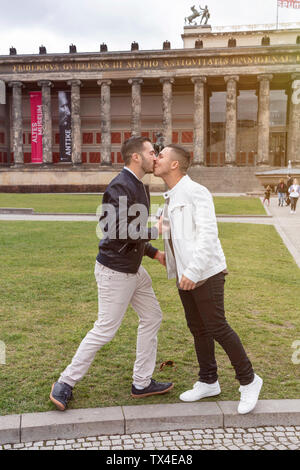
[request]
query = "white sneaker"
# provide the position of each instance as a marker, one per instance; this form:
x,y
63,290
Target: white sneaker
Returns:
x,y
201,390
249,395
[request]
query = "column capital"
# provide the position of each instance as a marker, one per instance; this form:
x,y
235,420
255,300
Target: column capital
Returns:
x,y
135,81
46,83
16,84
104,82
228,78
74,82
200,79
295,76
167,80
265,76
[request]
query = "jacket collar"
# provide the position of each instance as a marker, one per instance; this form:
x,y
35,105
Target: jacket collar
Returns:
x,y
128,173
181,183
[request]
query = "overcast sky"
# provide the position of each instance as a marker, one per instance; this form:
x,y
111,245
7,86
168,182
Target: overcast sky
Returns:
x,y
27,24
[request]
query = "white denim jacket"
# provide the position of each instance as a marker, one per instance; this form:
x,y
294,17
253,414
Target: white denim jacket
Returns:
x,y
193,224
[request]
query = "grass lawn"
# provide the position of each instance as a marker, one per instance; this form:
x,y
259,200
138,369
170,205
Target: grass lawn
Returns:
x,y
88,203
49,302
242,205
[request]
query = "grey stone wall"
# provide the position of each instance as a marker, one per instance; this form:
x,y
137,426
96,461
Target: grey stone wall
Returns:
x,y
227,179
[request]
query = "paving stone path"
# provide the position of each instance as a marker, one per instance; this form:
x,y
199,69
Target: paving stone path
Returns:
x,y
262,438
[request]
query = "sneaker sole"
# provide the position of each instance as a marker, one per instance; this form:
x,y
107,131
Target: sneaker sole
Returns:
x,y
142,395
58,404
206,395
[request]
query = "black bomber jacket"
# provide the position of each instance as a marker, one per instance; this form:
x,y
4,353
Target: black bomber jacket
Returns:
x,y
126,236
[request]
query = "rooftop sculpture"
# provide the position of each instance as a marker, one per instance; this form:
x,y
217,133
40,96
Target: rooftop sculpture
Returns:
x,y
203,13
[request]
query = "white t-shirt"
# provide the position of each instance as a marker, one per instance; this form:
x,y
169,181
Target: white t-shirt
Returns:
x,y
294,190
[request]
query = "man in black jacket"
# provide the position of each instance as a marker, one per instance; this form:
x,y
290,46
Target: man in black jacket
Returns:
x,y
120,277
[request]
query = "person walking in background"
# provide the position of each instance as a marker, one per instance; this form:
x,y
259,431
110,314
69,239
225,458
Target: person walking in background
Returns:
x,y
194,256
267,195
288,184
294,191
281,190
121,279
289,181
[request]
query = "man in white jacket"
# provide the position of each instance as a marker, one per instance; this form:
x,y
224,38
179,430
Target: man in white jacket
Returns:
x,y
194,257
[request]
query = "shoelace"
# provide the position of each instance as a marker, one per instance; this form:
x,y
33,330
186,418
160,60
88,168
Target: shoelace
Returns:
x,y
66,393
197,385
245,393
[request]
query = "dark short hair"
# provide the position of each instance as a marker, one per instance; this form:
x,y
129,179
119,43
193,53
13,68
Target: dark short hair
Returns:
x,y
183,156
131,146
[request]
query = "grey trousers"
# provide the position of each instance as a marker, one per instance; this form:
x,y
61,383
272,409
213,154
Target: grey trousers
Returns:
x,y
116,291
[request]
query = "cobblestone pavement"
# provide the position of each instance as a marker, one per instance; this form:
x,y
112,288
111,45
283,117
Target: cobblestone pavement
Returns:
x,y
266,438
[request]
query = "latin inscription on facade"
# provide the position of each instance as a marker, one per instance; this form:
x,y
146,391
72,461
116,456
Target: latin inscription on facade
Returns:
x,y
152,64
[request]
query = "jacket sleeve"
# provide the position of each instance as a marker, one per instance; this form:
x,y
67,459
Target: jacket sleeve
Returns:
x,y
150,250
206,234
124,219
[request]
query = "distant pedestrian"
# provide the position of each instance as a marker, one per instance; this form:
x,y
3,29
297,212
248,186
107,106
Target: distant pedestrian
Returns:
x,y
289,181
281,190
294,191
267,195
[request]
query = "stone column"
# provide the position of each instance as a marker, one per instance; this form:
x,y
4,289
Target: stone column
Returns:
x,y
293,143
136,105
47,121
263,119
17,123
199,120
75,121
167,109
231,120
105,122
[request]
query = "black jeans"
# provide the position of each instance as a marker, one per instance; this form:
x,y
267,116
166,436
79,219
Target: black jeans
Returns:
x,y
205,316
294,201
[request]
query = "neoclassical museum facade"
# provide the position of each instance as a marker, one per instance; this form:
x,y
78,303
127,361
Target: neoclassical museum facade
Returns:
x,y
232,97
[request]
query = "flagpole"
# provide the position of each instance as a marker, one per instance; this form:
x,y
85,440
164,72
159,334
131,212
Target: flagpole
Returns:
x,y
277,16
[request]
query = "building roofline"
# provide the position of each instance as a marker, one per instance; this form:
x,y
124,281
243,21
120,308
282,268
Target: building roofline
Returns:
x,y
271,27
156,53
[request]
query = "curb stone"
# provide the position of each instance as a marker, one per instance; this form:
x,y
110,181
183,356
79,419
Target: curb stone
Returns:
x,y
69,424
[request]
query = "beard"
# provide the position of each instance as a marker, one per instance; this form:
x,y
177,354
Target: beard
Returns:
x,y
147,166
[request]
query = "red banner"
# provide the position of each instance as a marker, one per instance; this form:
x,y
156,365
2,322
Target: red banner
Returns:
x,y
36,127
288,3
